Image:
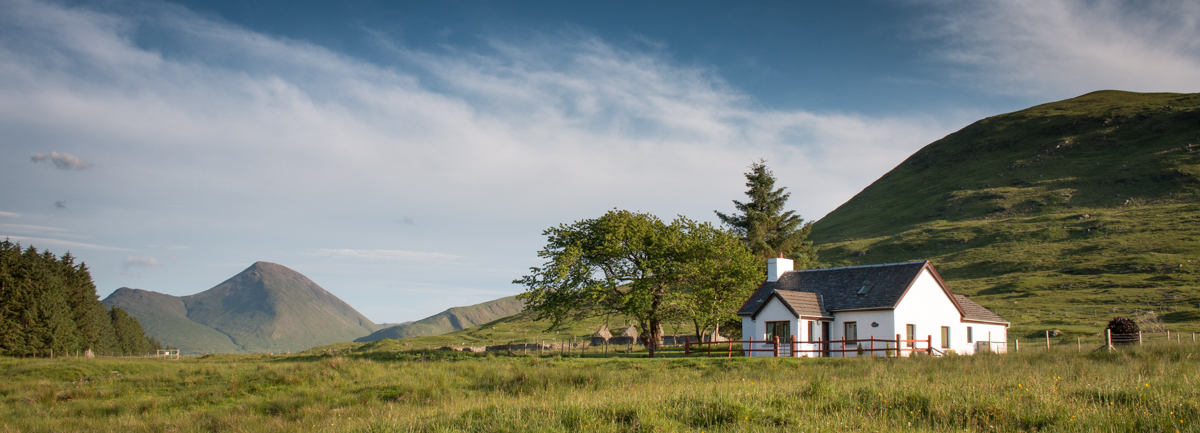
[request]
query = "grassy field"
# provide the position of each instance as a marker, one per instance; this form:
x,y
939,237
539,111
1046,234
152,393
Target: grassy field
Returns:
x,y
1155,387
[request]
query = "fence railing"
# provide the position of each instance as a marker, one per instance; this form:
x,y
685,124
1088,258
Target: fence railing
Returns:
x,y
819,348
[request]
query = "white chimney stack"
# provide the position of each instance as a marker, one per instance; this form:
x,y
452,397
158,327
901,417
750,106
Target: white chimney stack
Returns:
x,y
776,268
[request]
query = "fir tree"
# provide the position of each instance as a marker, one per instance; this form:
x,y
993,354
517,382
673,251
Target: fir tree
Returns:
x,y
49,305
763,224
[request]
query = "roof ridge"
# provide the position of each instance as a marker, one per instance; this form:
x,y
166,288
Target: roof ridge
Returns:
x,y
862,266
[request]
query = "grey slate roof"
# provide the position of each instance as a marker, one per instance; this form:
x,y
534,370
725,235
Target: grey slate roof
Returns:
x,y
838,287
973,311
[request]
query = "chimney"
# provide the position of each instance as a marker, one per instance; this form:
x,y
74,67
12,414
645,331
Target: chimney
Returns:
x,y
776,268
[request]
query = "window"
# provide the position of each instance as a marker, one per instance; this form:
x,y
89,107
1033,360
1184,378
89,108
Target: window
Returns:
x,y
811,332
945,337
851,331
970,335
778,329
912,333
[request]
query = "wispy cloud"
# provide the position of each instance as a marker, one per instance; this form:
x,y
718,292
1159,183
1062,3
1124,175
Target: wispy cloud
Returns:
x,y
61,204
1054,47
170,247
63,161
44,243
9,214
383,254
29,228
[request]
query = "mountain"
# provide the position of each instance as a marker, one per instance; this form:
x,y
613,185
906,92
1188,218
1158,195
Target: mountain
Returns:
x,y
265,308
1059,216
451,320
164,317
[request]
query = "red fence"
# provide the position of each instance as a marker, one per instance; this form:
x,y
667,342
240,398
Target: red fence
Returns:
x,y
824,348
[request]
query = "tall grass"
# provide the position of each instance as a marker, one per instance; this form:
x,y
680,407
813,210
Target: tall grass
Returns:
x,y
1147,388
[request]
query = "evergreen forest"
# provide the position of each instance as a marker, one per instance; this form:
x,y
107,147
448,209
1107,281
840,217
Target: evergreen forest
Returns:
x,y
49,307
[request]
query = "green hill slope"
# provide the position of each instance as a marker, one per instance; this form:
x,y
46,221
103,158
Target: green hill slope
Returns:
x,y
265,308
164,317
1057,217
451,320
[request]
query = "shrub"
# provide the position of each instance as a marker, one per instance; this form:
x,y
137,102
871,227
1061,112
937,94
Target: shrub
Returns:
x,y
1124,330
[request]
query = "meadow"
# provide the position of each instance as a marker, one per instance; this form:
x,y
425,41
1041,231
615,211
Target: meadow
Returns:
x,y
1153,387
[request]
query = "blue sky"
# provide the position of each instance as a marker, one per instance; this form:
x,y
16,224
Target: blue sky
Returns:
x,y
407,155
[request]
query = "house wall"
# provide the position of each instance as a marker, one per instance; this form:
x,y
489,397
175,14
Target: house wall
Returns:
x,y
773,311
863,319
999,338
928,307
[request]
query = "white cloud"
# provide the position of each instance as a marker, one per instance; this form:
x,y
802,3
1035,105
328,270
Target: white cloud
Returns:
x,y
63,161
247,147
29,228
383,254
9,214
44,243
1069,47
139,262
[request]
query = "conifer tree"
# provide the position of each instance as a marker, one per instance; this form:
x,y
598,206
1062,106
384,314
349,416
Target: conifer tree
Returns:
x,y
130,338
49,305
766,228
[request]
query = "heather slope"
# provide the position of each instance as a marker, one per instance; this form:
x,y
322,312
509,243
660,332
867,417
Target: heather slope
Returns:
x,y
270,308
1057,217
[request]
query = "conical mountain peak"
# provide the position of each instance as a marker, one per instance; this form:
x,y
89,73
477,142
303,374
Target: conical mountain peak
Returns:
x,y
267,307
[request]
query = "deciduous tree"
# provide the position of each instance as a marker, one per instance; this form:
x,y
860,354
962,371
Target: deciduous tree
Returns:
x,y
636,265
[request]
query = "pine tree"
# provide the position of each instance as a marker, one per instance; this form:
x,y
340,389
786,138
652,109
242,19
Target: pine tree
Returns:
x,y
90,316
131,340
49,305
766,228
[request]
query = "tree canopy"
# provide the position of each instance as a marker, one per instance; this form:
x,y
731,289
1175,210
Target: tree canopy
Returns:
x,y
763,224
636,265
49,305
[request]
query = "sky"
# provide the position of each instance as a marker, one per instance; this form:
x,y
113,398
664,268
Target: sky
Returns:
x,y
407,156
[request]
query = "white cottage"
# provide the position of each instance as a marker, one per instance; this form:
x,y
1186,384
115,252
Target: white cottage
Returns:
x,y
820,307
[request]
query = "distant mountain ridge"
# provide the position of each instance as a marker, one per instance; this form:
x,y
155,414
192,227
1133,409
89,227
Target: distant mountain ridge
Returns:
x,y
451,320
265,308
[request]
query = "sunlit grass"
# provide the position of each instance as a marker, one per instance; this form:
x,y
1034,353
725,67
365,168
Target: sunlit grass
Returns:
x,y
1148,388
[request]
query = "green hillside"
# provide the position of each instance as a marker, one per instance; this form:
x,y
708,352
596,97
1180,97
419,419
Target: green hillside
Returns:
x,y
451,320
165,318
1057,217
265,308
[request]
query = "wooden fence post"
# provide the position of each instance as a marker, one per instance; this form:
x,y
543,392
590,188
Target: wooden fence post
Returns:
x,y
749,353
687,348
898,345
776,349
792,351
929,345
1108,339
1139,338
1047,340
728,354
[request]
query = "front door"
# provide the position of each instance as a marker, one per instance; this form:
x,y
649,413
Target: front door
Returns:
x,y
825,338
